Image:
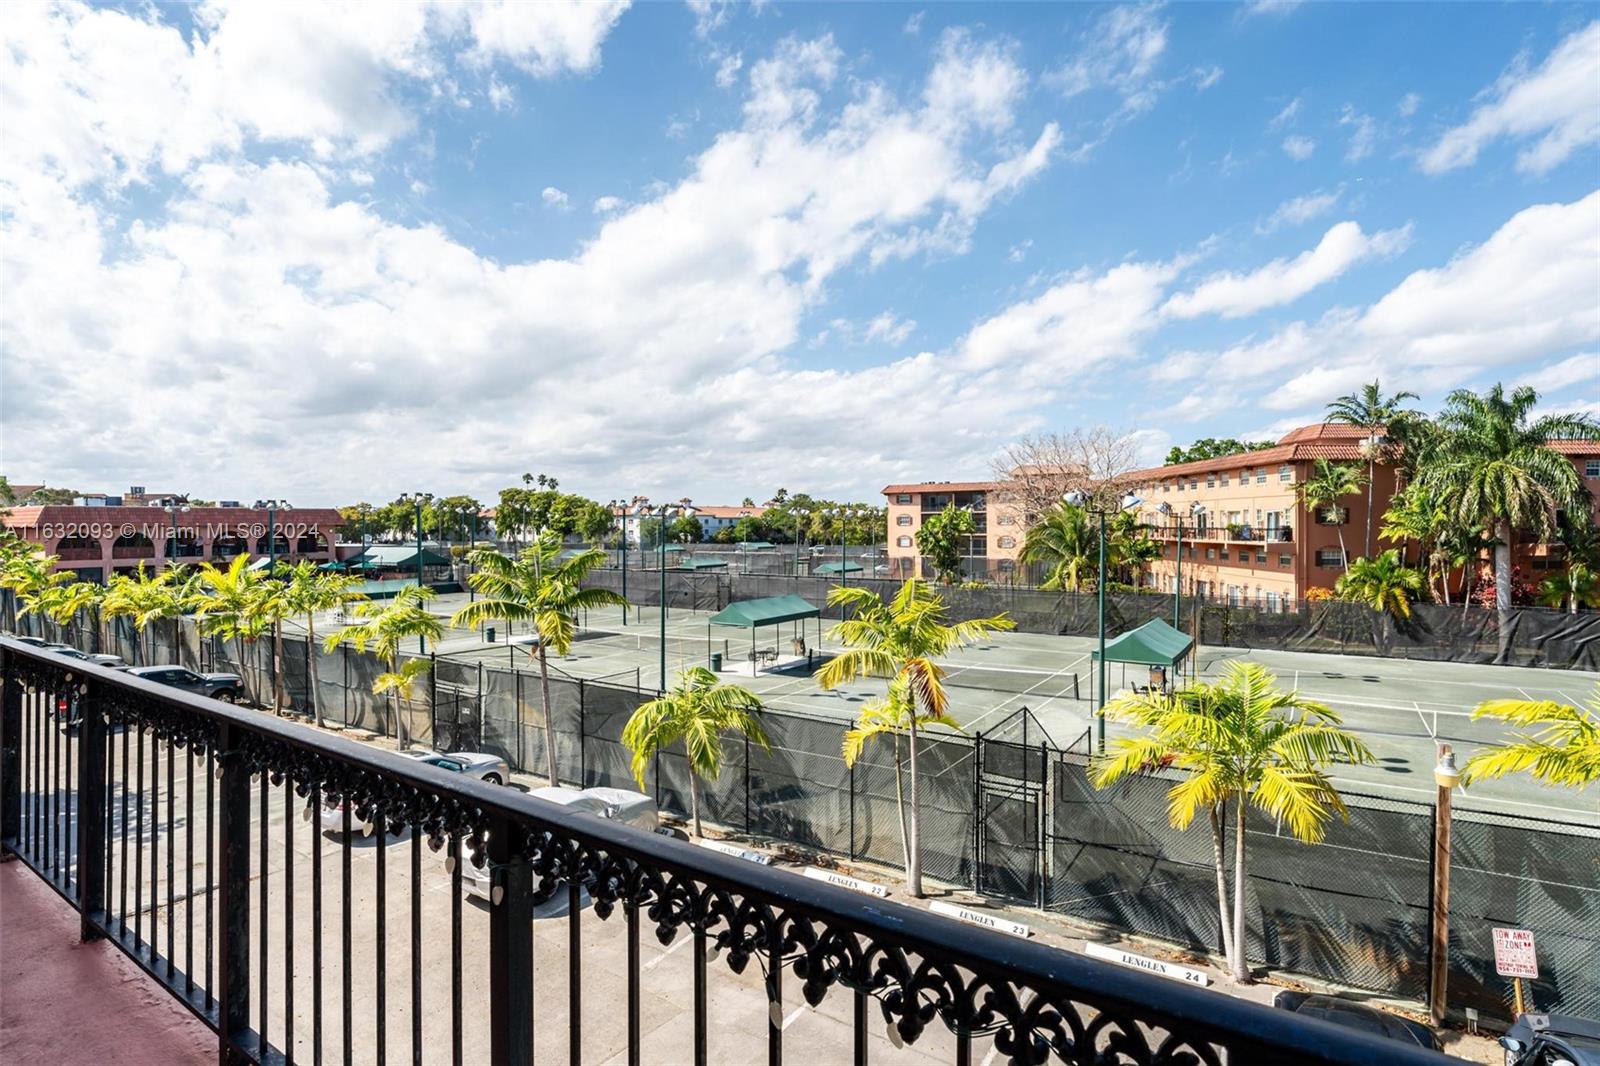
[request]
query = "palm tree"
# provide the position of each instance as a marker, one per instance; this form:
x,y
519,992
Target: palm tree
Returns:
x,y
139,596
272,606
1384,584
226,604
399,683
1066,542
1559,745
1577,584
900,640
312,589
541,588
1328,484
1372,411
697,710
1238,740
30,575
387,626
63,603
1495,468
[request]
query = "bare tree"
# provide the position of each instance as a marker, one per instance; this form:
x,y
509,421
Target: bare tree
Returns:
x,y
1038,469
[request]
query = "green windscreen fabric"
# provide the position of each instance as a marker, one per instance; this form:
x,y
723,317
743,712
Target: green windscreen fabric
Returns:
x,y
838,568
1153,644
768,612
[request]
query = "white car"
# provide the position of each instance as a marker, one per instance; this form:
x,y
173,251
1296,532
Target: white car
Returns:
x,y
617,804
113,661
479,764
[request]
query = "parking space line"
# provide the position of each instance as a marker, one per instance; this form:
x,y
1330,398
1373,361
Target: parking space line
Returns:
x,y
792,1016
680,942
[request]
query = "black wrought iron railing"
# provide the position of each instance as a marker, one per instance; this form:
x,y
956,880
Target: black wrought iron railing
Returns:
x,y
169,822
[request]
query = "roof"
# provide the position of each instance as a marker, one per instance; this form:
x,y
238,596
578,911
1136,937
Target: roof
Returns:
x,y
771,611
700,564
729,512
1153,644
1324,440
942,486
836,568
396,556
1576,447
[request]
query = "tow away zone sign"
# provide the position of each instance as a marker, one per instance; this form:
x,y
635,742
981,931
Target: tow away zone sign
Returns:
x,y
1513,953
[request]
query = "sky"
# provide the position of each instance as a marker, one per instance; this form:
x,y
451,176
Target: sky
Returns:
x,y
342,251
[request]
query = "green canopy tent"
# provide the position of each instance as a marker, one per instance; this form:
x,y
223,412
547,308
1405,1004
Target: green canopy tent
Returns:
x,y
838,568
1154,644
771,611
700,564
331,565
397,557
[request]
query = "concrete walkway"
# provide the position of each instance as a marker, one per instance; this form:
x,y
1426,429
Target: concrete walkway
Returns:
x,y
68,1003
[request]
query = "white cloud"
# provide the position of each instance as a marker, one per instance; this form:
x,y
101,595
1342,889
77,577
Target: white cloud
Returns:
x,y
1300,210
604,205
1270,7
1286,116
1298,147
889,329
1564,373
1559,103
1206,77
542,39
360,177
1363,134
728,67
913,25
1019,251
1286,280
501,96
1408,104
1120,54
710,15
554,197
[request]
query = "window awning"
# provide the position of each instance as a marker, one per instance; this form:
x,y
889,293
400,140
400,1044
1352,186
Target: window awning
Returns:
x,y
838,568
771,611
1153,644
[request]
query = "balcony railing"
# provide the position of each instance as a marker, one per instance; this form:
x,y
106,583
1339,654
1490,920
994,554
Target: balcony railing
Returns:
x,y
205,888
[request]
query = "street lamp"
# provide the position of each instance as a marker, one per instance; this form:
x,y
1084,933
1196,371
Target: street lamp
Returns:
x,y
419,498
172,505
1445,778
1195,509
1128,502
273,507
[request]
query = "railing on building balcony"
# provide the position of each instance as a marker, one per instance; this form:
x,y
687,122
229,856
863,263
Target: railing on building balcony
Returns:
x,y
204,886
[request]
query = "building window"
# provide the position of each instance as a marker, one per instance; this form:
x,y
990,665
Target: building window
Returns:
x,y
1244,476
1223,554
1591,468
1330,557
1284,473
1261,556
903,542
1211,553
1285,559
1211,481
1224,479
1194,483
903,520
904,497
1261,476
1008,542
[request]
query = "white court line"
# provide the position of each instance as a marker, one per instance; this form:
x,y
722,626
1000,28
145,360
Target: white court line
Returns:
x,y
989,1058
1434,732
1002,705
1358,784
653,963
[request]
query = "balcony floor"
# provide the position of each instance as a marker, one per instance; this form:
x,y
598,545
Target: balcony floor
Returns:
x,y
48,979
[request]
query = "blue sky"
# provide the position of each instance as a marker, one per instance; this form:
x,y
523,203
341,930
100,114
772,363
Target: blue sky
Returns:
x,y
340,252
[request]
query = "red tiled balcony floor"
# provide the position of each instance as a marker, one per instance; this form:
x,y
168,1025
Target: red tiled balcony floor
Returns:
x,y
68,1003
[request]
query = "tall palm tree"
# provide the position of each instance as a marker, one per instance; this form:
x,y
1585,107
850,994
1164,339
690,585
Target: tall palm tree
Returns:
x,y
1328,484
142,596
1576,585
1418,514
900,640
1066,542
386,628
226,604
311,589
1559,745
399,682
1240,741
30,575
1384,584
697,710
63,604
540,588
1495,468
1370,409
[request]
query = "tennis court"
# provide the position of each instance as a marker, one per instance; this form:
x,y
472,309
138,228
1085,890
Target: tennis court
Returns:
x,y
1401,708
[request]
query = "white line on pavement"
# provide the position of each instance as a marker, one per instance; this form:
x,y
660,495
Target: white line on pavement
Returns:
x,y
792,1016
653,963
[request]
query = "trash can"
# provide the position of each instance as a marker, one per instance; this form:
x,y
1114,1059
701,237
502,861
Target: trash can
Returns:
x,y
488,634
716,662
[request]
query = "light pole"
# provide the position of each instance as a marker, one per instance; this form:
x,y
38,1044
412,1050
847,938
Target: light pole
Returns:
x,y
616,507
174,504
419,498
1445,779
661,542
1129,501
472,592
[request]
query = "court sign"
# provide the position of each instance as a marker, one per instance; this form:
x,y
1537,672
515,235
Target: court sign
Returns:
x,y
1513,953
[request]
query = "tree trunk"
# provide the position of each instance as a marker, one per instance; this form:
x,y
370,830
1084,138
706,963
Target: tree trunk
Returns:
x,y
1222,882
311,665
244,674
1372,467
402,732
900,805
1241,968
694,801
1344,556
277,667
549,718
914,843
1502,566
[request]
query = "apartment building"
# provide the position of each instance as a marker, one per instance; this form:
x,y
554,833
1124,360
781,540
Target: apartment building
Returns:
x,y
992,549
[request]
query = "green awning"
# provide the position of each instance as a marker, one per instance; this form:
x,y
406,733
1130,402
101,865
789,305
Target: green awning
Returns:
x,y
377,590
774,610
1153,644
756,545
838,568
397,557
700,564
331,566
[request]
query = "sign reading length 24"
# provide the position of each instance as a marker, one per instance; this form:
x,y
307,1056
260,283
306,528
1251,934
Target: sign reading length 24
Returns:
x,y
1513,953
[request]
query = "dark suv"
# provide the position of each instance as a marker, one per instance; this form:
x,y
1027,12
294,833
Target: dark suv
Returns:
x,y
1552,1040
225,687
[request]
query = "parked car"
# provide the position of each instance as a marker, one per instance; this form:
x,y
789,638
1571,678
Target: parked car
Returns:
x,y
617,804
37,642
479,764
115,662
1355,1015
330,818
1552,1040
225,687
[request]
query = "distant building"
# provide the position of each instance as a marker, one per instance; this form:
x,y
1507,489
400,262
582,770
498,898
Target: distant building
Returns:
x,y
715,519
994,546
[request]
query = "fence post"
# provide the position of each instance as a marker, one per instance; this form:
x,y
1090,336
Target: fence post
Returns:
x,y
91,815
852,769
977,812
1041,848
433,702
233,897
582,731
10,751
746,782
510,947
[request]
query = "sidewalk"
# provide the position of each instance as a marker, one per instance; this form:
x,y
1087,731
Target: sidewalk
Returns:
x,y
68,1003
